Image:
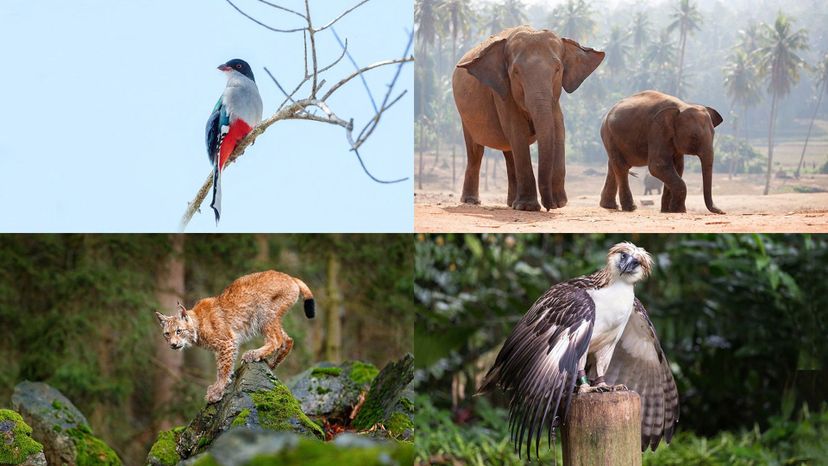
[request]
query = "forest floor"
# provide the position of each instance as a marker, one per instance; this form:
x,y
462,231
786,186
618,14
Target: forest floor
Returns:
x,y
793,206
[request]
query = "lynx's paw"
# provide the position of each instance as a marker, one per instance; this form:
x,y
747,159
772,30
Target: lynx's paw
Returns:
x,y
251,356
214,393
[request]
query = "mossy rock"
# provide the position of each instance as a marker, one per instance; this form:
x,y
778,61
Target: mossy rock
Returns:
x,y
16,443
328,391
387,403
63,430
242,447
163,451
255,399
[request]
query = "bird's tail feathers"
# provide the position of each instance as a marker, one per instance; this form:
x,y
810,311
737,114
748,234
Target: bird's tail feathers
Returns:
x,y
216,202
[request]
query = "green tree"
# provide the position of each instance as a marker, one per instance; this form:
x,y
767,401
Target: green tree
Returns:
x,y
640,30
741,83
573,19
617,49
514,13
460,15
778,61
821,74
426,21
686,19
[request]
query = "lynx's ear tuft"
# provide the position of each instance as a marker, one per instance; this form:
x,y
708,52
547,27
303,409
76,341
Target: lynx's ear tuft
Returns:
x,y
183,311
161,318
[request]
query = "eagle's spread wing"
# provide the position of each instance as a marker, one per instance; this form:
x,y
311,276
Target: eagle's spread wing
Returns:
x,y
538,364
639,363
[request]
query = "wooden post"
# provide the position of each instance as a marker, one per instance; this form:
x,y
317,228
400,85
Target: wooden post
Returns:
x,y
603,429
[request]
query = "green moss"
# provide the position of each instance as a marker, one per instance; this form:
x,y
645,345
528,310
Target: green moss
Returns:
x,y
326,371
163,450
90,449
57,404
203,442
398,423
241,418
17,444
316,453
322,390
407,404
276,407
362,372
206,460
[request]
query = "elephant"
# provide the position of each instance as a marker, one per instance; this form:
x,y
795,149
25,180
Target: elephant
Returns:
x,y
655,129
507,91
651,184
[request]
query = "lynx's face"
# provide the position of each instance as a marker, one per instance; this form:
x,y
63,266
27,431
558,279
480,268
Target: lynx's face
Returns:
x,y
179,331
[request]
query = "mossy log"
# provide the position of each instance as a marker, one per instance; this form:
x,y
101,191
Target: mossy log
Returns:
x,y
603,429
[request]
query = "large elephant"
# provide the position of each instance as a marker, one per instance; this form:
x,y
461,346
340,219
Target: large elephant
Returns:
x,y
507,91
655,129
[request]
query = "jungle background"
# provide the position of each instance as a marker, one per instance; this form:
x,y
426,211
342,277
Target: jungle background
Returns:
x,y
763,65
741,318
77,312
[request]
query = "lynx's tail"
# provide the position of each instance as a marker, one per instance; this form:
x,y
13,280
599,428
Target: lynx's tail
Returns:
x,y
310,305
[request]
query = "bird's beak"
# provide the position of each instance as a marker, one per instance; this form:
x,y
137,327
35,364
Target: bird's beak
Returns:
x,y
224,68
630,265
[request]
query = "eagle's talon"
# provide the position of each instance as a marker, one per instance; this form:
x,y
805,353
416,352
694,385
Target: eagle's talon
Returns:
x,y
620,388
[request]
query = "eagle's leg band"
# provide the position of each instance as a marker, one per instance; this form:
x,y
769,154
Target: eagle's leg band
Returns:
x,y
582,378
599,380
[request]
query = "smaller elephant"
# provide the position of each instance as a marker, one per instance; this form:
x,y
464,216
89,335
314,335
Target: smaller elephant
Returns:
x,y
656,130
651,184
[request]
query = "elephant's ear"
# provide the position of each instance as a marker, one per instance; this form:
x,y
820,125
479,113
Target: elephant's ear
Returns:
x,y
578,63
714,115
488,65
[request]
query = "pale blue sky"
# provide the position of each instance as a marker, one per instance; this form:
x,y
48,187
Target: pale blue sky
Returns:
x,y
105,103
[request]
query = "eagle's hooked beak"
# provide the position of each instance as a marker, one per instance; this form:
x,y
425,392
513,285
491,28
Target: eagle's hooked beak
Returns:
x,y
628,264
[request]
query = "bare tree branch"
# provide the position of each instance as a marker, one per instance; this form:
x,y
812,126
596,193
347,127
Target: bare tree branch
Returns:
x,y
312,107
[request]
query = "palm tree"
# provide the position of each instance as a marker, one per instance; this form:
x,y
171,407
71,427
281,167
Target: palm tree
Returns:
x,y
426,21
459,15
778,61
573,19
617,49
821,72
741,83
749,38
686,18
495,22
660,58
640,30
514,13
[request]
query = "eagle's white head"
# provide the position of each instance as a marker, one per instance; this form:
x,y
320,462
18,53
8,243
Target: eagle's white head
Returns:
x,y
628,262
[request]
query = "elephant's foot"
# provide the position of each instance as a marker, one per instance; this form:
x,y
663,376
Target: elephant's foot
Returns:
x,y
674,209
556,201
526,204
609,204
510,199
469,199
628,206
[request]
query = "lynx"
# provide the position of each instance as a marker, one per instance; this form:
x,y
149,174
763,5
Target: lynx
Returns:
x,y
253,304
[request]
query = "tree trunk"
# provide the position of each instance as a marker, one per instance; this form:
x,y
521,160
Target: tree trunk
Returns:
x,y
810,127
603,429
421,147
453,170
333,316
169,291
683,41
770,144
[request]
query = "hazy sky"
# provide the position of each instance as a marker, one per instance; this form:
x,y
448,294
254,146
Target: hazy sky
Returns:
x,y
106,102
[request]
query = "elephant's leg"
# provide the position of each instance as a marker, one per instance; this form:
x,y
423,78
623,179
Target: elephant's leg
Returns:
x,y
516,129
474,154
610,189
622,179
675,191
510,174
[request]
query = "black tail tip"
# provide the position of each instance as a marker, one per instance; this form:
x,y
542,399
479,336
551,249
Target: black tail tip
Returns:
x,y
310,308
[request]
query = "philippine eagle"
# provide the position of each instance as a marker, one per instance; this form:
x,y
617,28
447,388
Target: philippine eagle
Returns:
x,y
592,325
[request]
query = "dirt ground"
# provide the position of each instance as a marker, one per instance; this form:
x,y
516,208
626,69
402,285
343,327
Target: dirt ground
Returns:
x,y
437,206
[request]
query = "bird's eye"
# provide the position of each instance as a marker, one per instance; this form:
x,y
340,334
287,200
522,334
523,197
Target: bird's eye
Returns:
x,y
238,66
624,256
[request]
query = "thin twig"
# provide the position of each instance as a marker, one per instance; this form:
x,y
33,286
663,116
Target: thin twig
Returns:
x,y
353,75
362,77
259,22
283,8
342,15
